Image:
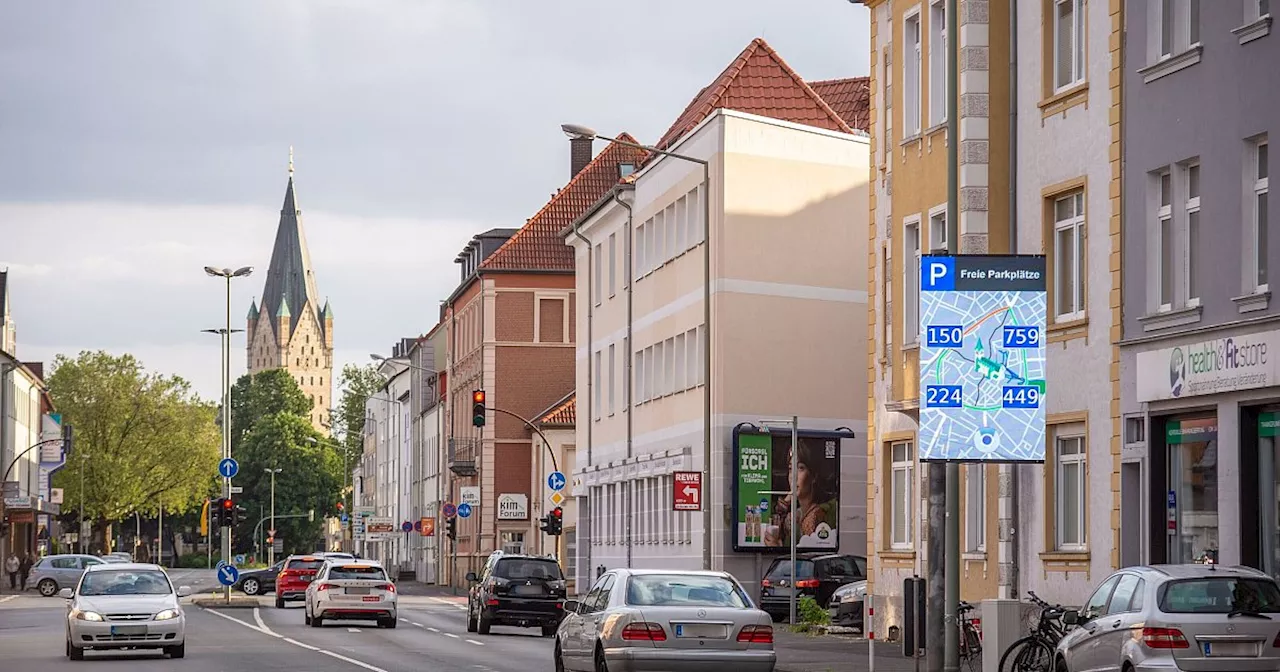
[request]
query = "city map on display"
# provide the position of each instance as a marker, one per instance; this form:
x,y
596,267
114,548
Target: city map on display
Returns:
x,y
982,358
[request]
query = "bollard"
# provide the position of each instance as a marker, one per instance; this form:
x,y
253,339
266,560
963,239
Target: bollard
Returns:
x,y
870,626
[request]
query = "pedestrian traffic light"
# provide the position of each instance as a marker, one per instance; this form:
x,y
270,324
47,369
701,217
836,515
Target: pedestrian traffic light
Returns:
x,y
477,408
451,528
553,522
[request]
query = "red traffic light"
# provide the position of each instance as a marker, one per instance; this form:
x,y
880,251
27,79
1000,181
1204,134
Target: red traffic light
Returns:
x,y
227,504
341,506
478,396
557,512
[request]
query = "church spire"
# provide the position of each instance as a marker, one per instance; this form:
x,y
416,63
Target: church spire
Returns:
x,y
291,282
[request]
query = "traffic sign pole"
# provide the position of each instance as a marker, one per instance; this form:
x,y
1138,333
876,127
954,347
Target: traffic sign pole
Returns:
x,y
951,476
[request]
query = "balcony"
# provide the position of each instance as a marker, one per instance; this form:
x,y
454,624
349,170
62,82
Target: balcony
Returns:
x,y
463,454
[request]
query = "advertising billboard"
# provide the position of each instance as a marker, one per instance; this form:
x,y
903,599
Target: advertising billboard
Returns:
x,y
982,358
762,465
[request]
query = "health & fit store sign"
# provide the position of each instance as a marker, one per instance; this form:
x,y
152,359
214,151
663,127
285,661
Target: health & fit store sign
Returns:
x,y
1209,366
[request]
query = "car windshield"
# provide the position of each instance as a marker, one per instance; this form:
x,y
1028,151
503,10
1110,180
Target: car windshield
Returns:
x,y
1220,595
125,582
305,565
353,572
527,568
782,570
676,590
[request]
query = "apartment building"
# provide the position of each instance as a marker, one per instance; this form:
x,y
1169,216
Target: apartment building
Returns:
x,y
783,208
1199,478
387,420
426,362
510,329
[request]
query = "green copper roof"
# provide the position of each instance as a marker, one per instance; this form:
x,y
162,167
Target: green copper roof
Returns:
x,y
284,307
327,312
253,310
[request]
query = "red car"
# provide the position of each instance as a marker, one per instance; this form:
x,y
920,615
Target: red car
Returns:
x,y
298,573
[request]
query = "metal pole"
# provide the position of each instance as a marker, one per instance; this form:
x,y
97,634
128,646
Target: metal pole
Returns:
x,y
226,433
870,627
271,548
708,488
795,504
951,662
82,535
160,538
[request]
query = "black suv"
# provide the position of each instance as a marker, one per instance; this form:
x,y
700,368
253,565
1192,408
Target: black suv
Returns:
x,y
817,575
521,590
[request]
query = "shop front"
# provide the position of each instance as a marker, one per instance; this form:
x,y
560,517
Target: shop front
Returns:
x,y
1201,430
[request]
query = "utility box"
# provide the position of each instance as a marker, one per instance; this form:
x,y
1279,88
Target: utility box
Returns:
x,y
1002,625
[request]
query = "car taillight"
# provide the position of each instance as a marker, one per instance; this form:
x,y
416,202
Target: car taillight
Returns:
x,y
326,586
1164,638
644,632
389,587
766,583
756,634
491,602
807,583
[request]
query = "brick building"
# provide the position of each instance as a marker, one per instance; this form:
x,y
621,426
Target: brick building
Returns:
x,y
510,325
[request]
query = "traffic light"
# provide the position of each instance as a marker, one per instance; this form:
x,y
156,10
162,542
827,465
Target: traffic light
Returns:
x,y
239,515
477,408
451,528
341,506
4,528
553,522
226,515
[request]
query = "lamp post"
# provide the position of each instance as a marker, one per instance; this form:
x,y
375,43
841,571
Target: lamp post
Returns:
x,y
793,492
227,274
583,132
271,548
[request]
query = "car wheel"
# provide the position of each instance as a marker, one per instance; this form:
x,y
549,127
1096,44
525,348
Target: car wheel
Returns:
x,y
391,623
471,621
559,659
484,624
279,602
306,616
74,653
250,587
549,630
47,587
316,621
179,651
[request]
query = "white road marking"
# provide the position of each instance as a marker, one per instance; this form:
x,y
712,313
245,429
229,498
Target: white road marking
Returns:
x,y
353,629
433,629
404,620
234,620
472,641
353,661
450,634
305,646
295,642
6,599
416,624
262,625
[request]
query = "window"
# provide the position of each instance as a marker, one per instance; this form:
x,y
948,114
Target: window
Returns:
x,y
1068,43
1164,237
1179,23
626,387
641,381
595,401
599,271
975,476
901,500
702,354
613,381
1068,256
682,364
682,224
887,296
938,230
1256,9
696,212
513,542
911,283
1191,182
1123,597
638,246
937,62
613,264
1260,186
1070,488
571,552
669,377
911,92
1098,601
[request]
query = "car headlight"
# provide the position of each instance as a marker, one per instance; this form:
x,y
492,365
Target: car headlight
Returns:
x,y
168,614
82,615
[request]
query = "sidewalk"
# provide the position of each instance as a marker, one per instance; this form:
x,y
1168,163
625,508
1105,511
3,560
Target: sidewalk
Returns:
x,y
419,589
834,653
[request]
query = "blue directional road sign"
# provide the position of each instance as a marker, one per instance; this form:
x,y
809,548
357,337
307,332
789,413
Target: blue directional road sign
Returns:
x,y
556,481
238,560
464,510
228,575
450,510
228,467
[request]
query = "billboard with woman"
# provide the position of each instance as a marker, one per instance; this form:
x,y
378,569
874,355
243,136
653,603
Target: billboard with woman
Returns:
x,y
762,481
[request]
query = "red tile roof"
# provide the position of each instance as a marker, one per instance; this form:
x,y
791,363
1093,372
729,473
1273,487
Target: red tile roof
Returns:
x,y
537,246
849,97
564,414
759,82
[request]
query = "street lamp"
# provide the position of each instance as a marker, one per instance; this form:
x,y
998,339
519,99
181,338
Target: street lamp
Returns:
x,y
227,274
271,548
793,492
577,131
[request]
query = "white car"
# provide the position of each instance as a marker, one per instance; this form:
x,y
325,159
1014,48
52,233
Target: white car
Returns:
x,y
354,591
125,606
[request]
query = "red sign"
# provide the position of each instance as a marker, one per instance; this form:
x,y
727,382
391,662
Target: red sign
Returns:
x,y
686,494
428,527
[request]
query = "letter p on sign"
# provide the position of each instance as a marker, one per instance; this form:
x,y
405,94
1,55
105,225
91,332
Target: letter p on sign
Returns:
x,y
937,274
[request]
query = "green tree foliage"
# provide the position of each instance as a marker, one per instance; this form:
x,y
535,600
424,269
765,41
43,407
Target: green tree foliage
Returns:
x,y
263,394
310,479
358,384
143,439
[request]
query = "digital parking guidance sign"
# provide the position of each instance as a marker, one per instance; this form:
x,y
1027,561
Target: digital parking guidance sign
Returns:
x,y
982,358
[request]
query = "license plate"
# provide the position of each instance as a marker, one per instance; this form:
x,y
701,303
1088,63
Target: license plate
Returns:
x,y
1230,649
128,629
357,591
700,630
782,590
370,598
528,590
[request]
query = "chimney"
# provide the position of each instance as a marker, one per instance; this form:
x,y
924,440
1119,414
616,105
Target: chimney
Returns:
x,y
580,151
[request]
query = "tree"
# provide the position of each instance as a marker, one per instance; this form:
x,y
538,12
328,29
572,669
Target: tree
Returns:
x,y
146,440
260,395
310,479
358,384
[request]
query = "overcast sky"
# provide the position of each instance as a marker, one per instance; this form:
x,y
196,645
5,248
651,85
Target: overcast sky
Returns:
x,y
143,140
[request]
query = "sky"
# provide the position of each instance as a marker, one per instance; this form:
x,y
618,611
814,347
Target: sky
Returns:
x,y
143,140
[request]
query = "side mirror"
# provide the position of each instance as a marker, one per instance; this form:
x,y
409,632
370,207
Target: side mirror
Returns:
x,y
184,591
66,593
471,576
1071,617
571,606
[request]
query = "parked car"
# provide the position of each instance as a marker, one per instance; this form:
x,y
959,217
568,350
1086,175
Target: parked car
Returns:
x,y
125,605
1176,617
55,572
520,590
817,575
296,575
846,604
358,590
664,620
259,581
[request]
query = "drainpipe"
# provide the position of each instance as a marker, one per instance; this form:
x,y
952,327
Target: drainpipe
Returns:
x,y
1014,518
626,253
591,305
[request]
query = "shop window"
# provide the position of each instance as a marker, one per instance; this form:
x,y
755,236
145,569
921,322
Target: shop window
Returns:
x,y
1191,503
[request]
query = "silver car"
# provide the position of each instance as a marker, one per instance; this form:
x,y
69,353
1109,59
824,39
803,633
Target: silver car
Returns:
x,y
1176,617
355,591
667,620
125,606
55,572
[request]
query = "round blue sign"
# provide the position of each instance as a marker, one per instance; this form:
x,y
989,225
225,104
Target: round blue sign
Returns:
x,y
406,526
464,510
228,575
228,468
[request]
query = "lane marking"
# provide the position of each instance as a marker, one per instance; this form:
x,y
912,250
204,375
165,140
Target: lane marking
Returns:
x,y
472,641
305,646
433,629
353,661
262,625
233,619
404,620
416,624
450,634
353,629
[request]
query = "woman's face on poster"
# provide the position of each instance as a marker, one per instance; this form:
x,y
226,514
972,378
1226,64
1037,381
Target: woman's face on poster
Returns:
x,y
802,483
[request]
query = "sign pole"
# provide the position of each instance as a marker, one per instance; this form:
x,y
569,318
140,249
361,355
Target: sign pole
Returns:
x,y
951,662
795,504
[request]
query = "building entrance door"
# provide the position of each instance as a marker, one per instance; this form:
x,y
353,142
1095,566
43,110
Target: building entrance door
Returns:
x,y
1191,505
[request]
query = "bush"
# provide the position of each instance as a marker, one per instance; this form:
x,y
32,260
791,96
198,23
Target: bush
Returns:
x,y
809,612
196,561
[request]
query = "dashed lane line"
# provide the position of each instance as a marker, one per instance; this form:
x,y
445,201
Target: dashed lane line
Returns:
x,y
265,631
353,661
472,641
450,634
414,624
433,629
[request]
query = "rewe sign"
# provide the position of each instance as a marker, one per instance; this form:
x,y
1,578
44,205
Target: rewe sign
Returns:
x,y
686,493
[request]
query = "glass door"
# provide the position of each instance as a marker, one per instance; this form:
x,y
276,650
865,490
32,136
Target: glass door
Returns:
x,y
1192,497
1269,491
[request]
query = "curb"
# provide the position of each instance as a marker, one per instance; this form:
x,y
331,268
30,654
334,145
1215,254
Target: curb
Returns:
x,y
221,603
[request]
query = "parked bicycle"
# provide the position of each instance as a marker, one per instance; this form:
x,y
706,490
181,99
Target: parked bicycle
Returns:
x,y
1035,652
970,638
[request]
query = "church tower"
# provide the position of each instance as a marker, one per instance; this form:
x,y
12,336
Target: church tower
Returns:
x,y
289,329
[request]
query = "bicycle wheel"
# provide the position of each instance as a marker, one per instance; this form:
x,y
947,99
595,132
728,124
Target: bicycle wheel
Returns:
x,y
970,641
1029,654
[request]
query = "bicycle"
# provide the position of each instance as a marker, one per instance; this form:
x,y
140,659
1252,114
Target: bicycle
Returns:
x,y
1035,652
970,638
